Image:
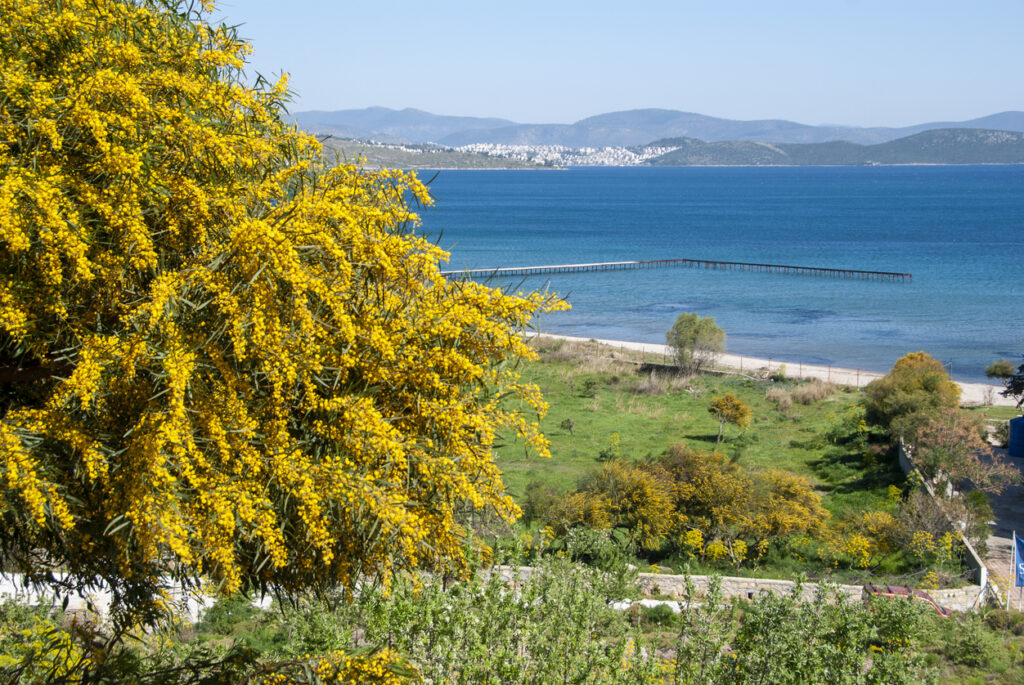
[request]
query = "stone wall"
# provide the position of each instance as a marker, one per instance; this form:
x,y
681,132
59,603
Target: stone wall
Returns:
x,y
967,598
673,587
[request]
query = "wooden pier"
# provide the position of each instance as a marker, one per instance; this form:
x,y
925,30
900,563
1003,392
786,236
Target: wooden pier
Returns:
x,y
692,263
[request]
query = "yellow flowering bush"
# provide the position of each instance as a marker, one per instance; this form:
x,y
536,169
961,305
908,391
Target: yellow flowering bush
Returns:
x,y
716,550
218,358
692,542
385,667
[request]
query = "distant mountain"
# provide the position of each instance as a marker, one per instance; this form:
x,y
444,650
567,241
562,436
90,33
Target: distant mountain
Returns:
x,y
391,125
640,126
615,129
941,146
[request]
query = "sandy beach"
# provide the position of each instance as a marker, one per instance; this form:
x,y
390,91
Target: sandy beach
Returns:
x,y
971,393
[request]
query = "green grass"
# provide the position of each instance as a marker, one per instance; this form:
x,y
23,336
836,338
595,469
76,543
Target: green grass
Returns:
x,y
995,413
604,391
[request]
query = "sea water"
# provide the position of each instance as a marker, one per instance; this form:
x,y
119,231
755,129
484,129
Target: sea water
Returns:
x,y
958,229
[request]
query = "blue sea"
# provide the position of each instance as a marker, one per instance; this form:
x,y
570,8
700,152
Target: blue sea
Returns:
x,y
958,229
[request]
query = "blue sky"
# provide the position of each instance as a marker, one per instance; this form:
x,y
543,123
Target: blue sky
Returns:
x,y
855,62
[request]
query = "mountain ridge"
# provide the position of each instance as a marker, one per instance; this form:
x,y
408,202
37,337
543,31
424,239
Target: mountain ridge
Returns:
x,y
611,129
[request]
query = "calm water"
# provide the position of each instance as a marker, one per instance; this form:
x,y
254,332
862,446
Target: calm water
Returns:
x,y
958,230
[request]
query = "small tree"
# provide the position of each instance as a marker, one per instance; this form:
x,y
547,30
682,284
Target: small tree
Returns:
x,y
695,342
917,384
729,409
1000,368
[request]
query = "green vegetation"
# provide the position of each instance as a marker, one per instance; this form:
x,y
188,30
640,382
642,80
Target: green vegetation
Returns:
x,y
1000,368
640,460
558,626
940,146
915,388
1015,386
602,392
695,342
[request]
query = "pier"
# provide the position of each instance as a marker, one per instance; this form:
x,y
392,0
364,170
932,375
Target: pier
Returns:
x,y
824,272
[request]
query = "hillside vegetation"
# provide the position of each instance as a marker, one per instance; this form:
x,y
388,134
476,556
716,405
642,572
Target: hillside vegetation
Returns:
x,y
944,146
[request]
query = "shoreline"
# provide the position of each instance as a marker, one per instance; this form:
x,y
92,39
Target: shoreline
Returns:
x,y
971,394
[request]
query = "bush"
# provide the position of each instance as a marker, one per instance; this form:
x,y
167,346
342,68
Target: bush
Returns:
x,y
917,384
814,391
540,498
1001,619
780,398
970,644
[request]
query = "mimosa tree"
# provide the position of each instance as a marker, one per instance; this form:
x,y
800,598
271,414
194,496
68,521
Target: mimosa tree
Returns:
x,y
730,409
218,358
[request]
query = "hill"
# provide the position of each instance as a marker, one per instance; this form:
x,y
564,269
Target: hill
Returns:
x,y
391,126
943,146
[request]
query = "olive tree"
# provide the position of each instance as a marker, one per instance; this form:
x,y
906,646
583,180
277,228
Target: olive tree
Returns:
x,y
695,342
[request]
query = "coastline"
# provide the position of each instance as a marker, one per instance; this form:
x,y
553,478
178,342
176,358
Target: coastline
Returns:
x,y
971,393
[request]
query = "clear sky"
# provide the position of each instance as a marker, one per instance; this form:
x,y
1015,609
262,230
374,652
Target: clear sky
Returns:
x,y
854,62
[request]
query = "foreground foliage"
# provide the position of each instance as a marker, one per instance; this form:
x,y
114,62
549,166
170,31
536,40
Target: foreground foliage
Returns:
x,y
554,623
217,358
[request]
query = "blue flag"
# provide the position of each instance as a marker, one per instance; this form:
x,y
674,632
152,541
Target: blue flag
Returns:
x,y
1018,560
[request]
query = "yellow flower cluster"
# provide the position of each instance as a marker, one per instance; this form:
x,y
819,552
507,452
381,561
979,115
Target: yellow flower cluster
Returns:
x,y
215,351
385,667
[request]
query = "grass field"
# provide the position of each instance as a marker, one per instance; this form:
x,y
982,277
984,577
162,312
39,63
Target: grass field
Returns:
x,y
611,396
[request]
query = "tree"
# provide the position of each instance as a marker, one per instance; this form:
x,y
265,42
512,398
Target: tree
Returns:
x,y
918,383
1000,368
1014,383
729,409
218,358
695,342
948,449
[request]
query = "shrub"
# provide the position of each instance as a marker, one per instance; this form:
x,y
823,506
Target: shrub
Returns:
x,y
917,384
540,498
780,398
949,448
814,391
970,644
